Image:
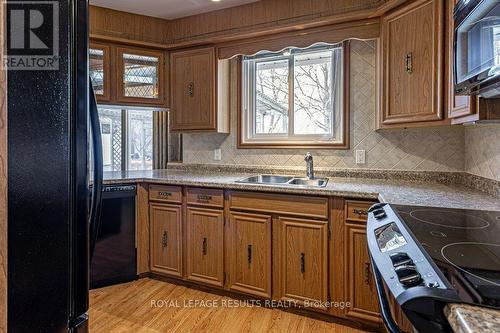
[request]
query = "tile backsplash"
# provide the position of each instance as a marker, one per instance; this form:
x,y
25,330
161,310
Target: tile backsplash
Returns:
x,y
437,149
482,150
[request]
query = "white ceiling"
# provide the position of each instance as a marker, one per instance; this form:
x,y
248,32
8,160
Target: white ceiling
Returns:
x,y
168,9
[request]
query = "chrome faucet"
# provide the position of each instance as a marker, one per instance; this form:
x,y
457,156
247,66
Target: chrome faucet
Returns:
x,y
309,167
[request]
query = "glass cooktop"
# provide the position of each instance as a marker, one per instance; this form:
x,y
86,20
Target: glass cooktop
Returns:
x,y
464,244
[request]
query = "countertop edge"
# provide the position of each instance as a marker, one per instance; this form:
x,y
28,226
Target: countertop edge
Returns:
x,y
251,187
465,318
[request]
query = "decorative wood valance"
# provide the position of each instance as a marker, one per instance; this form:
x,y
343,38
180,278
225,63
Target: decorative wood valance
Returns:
x,y
364,29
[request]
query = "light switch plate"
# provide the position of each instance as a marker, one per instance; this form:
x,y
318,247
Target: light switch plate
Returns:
x,y
360,156
217,154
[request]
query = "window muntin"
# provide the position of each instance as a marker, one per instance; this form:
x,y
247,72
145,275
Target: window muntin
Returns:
x,y
294,98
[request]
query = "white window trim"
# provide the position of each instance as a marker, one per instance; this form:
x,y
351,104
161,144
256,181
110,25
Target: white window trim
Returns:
x,y
248,134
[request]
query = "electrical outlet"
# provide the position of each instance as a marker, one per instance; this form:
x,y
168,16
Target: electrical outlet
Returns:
x,y
360,156
217,154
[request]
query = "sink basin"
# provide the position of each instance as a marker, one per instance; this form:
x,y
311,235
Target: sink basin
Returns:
x,y
318,182
267,179
284,180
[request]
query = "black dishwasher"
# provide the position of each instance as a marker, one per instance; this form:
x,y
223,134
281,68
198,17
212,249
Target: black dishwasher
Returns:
x,y
114,258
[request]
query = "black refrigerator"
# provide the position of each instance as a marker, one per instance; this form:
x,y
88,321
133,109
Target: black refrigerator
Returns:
x,y
52,118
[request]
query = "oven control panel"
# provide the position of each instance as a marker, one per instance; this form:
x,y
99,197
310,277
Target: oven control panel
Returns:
x,y
400,260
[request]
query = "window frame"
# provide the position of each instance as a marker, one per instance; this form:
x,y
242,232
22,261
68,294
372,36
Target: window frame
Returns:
x,y
297,140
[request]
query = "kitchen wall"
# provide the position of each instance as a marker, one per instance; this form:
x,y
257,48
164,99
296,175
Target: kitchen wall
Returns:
x,y
482,150
438,149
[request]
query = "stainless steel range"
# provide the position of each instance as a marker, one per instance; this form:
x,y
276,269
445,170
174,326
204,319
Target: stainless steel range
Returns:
x,y
426,257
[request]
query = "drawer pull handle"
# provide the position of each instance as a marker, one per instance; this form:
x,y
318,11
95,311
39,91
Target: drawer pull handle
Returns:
x,y
409,63
204,246
190,89
249,253
303,262
164,194
367,274
164,239
360,211
203,197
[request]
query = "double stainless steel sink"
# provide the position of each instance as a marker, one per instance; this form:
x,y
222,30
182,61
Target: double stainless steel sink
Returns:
x,y
284,180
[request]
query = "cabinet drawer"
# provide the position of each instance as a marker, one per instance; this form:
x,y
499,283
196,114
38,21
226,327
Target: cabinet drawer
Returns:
x,y
205,197
357,210
297,205
163,193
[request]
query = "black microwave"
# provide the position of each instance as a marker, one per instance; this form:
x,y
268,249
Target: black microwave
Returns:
x,y
477,48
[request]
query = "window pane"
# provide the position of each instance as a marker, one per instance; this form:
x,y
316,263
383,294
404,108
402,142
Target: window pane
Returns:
x,y
140,140
111,131
140,76
96,58
271,97
313,97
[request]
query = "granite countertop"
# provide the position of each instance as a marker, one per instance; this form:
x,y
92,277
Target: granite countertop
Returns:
x,y
418,193
466,318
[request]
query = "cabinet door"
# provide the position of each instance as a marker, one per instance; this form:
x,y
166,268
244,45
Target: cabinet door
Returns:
x,y
192,82
412,51
166,236
302,257
205,235
457,106
250,251
140,76
100,71
361,290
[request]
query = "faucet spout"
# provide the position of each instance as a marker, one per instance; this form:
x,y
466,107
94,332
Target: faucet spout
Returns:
x,y
309,165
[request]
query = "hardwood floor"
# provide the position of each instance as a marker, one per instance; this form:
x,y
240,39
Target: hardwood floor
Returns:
x,y
148,305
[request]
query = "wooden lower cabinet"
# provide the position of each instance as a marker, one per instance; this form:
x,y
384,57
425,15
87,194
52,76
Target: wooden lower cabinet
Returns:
x,y
250,254
166,239
359,280
205,246
301,253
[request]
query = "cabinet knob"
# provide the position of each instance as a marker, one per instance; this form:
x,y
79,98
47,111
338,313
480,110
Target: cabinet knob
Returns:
x,y
164,239
303,262
409,63
190,89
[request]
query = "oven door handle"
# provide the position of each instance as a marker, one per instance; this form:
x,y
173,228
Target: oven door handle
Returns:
x,y
389,322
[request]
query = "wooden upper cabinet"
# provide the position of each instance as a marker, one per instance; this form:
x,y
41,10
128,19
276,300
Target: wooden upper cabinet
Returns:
x,y
301,257
140,76
412,63
459,108
194,77
250,254
166,239
100,71
205,246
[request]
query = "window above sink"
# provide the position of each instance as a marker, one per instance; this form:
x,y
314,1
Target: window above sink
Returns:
x,y
295,98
